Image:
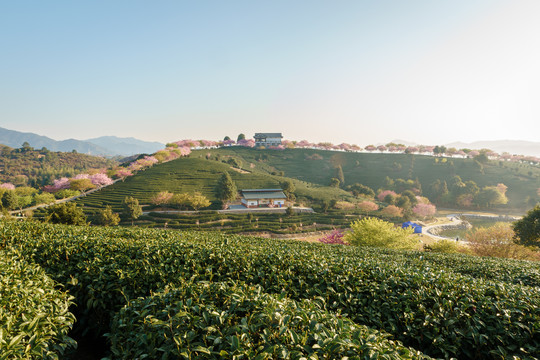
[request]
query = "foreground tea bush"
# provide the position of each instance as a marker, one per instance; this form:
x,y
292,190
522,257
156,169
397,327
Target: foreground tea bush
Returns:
x,y
226,321
415,297
34,316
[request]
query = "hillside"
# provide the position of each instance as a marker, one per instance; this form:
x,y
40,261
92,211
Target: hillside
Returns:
x,y
312,171
319,166
26,166
196,173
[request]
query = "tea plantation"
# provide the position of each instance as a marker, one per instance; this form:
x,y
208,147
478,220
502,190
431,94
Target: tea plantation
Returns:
x,y
165,294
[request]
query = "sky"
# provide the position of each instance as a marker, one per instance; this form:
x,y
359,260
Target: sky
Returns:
x,y
362,72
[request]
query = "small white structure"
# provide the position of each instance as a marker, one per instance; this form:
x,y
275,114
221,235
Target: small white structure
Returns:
x,y
267,139
254,198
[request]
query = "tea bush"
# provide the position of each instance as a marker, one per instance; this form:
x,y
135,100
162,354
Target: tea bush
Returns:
x,y
34,316
470,312
230,321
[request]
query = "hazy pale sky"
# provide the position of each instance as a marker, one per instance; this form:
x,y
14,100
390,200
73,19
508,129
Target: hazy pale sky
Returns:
x,y
353,71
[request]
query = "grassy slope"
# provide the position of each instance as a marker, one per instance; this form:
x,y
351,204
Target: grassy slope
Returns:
x,y
311,177
195,174
371,169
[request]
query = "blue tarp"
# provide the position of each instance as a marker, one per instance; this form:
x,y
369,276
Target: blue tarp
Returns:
x,y
417,228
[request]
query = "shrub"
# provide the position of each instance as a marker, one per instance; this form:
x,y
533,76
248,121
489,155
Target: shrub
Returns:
x,y
443,246
379,233
498,241
66,213
334,237
392,211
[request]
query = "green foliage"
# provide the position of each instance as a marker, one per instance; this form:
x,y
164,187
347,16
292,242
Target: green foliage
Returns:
x,y
443,305
360,189
66,193
40,167
10,200
379,233
527,230
289,189
334,182
66,213
131,208
228,321
226,189
443,246
44,198
81,184
107,217
490,196
34,315
339,175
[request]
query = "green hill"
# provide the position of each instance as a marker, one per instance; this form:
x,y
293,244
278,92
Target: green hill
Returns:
x,y
311,172
196,173
29,167
319,166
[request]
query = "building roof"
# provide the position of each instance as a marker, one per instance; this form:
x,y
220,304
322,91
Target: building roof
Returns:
x,y
256,194
267,135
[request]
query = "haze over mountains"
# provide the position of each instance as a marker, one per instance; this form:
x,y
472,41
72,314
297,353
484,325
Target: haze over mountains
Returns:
x,y
105,145
113,145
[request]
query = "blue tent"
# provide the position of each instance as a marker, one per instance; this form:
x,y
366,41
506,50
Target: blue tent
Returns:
x,y
417,228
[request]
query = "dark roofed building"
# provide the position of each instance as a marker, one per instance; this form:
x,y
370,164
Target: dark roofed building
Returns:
x,y
268,139
263,198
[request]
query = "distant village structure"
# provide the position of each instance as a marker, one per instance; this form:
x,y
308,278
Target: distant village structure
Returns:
x,y
255,198
268,139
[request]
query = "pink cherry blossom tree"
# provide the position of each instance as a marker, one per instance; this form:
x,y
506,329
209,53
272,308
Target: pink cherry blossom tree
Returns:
x,y
368,206
334,237
392,211
424,210
384,193
7,186
101,179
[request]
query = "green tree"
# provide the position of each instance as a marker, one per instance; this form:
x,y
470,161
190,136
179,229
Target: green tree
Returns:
x,y
339,175
490,196
226,189
107,217
81,184
334,182
131,208
358,189
10,200
527,230
44,198
198,200
66,213
289,189
226,138
241,137
379,233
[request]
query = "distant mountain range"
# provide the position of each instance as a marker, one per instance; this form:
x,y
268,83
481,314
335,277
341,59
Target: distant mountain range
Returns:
x,y
105,145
